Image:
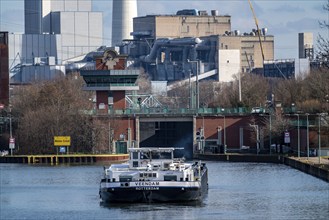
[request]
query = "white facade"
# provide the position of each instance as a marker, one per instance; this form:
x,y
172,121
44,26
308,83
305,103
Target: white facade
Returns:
x,y
36,55
302,67
81,32
122,20
228,64
37,12
24,47
81,29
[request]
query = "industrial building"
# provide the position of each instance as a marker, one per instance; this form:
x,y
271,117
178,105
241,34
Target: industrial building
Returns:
x,y
305,46
192,42
280,69
80,28
55,32
197,24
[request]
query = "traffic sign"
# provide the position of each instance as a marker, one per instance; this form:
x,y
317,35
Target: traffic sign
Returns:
x,y
286,137
62,141
11,143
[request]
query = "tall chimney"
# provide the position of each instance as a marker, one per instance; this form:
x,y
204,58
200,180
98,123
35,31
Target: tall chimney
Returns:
x,y
122,21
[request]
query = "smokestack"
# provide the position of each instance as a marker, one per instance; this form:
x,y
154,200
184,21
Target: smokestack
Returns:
x,y
122,21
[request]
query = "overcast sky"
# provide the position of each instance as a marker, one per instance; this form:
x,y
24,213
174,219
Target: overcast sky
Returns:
x,y
283,18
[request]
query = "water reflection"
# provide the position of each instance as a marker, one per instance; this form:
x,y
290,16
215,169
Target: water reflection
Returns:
x,y
147,206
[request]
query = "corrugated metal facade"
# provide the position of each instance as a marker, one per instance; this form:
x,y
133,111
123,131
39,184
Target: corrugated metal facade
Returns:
x,y
81,29
24,47
39,73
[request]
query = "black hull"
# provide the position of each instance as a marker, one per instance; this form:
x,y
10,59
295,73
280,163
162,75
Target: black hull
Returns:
x,y
156,194
161,195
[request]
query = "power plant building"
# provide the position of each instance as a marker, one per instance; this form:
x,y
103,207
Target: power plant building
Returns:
x,y
179,41
250,50
180,25
305,46
55,32
80,28
38,18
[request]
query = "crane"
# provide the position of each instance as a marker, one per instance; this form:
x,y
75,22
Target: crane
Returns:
x,y
258,31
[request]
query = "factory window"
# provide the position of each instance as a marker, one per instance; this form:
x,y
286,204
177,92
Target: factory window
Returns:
x,y
226,47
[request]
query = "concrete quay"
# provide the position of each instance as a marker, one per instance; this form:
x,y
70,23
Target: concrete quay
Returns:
x,y
64,159
311,165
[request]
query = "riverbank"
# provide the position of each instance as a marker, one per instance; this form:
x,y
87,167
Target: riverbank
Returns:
x,y
311,165
64,159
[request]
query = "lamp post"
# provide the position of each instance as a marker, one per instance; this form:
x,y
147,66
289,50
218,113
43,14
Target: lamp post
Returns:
x,y
319,141
224,132
190,89
11,143
197,85
307,136
257,136
270,120
270,133
197,81
298,150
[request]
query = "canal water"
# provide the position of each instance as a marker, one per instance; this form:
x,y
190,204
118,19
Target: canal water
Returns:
x,y
236,191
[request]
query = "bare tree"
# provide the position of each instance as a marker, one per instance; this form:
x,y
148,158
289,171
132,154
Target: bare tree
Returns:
x,y
316,89
288,91
207,93
54,108
144,82
178,97
323,42
254,90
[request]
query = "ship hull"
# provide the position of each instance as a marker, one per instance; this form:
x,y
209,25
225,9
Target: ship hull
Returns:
x,y
158,191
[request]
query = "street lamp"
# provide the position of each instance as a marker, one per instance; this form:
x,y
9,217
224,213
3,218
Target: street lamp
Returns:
x,y
270,132
319,137
307,136
257,136
224,132
197,81
298,135
270,119
190,90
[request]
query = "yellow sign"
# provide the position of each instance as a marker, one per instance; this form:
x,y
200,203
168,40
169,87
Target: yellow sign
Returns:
x,y
62,140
